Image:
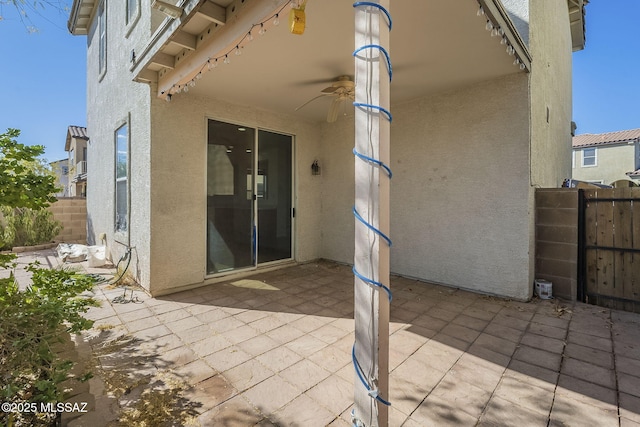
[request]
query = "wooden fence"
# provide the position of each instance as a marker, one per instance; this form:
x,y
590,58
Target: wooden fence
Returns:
x,y
610,247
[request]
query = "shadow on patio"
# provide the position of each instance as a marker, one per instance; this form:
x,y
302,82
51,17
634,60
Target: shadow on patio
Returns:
x,y
274,349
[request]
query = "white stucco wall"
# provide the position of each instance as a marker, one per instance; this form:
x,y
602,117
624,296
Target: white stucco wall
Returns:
x,y
113,100
461,204
551,102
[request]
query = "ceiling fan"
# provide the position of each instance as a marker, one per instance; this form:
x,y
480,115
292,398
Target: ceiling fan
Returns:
x,y
342,90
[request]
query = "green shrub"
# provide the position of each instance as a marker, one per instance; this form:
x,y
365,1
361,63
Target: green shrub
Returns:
x,y
34,322
26,227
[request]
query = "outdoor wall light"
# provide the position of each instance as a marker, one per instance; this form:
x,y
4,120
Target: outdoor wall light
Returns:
x,y
315,168
168,9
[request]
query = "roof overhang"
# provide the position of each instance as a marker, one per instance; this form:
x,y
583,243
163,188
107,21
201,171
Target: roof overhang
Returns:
x,y
577,22
80,16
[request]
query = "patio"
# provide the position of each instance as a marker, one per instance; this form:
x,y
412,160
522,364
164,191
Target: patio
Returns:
x,y
275,349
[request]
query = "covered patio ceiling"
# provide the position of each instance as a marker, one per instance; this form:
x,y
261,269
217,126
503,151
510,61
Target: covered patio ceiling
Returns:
x,y
435,46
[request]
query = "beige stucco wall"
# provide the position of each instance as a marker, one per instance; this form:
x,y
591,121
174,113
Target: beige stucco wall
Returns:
x,y
613,162
178,186
551,102
461,204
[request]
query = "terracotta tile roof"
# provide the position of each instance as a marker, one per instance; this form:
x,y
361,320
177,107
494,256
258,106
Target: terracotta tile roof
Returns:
x,y
590,139
78,132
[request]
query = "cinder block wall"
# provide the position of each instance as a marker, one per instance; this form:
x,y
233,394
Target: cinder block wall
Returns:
x,y
557,239
72,213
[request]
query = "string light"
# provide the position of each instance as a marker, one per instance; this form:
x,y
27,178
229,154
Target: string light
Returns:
x,y
237,49
496,30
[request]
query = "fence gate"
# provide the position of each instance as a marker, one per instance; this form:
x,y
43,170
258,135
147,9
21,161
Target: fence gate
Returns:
x,y
609,248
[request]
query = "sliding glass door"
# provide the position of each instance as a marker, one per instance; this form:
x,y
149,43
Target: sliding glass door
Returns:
x,y
249,192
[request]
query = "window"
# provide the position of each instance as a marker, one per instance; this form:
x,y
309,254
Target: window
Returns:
x,y
102,39
132,10
589,157
122,178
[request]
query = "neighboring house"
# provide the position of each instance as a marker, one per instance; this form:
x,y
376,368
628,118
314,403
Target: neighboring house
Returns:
x,y
76,145
201,163
61,169
606,157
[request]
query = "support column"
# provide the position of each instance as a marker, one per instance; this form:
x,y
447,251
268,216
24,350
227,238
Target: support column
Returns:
x,y
371,261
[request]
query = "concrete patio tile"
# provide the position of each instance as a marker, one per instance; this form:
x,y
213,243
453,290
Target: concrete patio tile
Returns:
x,y
141,324
460,332
211,315
304,374
225,324
328,333
333,393
442,314
551,320
429,322
630,407
461,395
279,358
183,324
586,392
284,334
590,325
235,412
309,323
194,372
411,382
532,374
599,343
493,343
538,357
266,324
263,397
590,355
151,333
509,321
331,358
209,393
496,359
500,412
241,334
629,384
251,315
435,411
569,411
306,345
195,334
516,312
227,358
210,345
439,355
547,331
543,343
503,331
471,322
477,371
247,374
162,344
629,350
173,315
258,345
588,372
303,411
525,394
628,365
178,356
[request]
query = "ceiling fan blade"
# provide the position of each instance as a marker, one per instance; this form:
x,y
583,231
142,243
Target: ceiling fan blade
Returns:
x,y
312,99
330,89
332,116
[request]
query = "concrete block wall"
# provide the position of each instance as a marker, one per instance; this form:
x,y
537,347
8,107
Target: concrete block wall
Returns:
x,y
72,213
557,240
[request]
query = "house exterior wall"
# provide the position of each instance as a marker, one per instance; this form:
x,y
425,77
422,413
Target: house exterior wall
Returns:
x,y
551,95
612,163
178,184
461,203
114,99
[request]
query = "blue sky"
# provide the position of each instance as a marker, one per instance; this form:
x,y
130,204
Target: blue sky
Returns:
x,y
43,74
